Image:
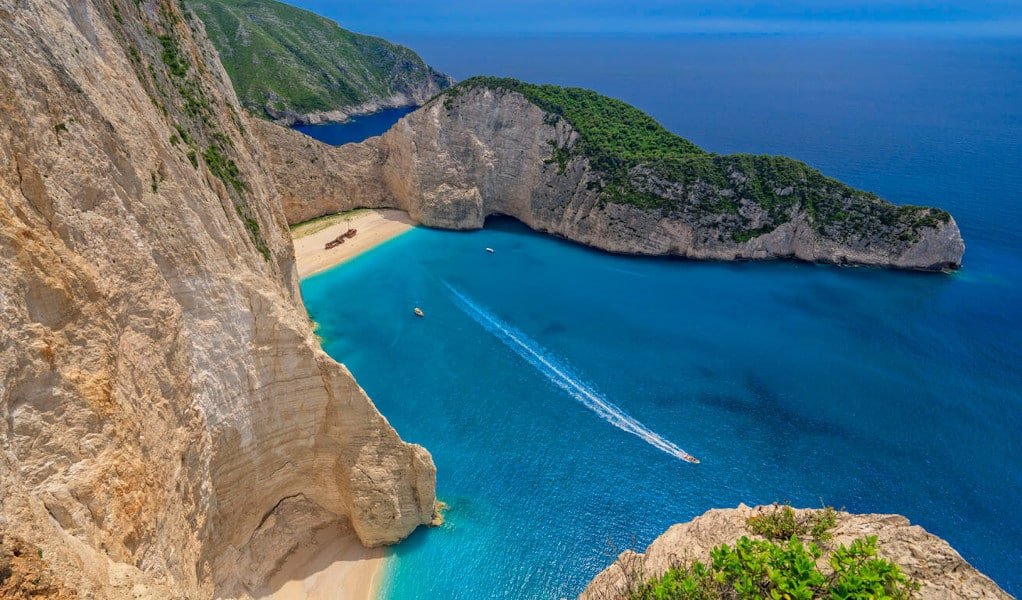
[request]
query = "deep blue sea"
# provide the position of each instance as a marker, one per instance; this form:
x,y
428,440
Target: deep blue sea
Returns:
x,y
553,384
356,129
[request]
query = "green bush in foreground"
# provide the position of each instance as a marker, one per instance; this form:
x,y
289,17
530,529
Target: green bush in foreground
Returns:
x,y
754,569
782,523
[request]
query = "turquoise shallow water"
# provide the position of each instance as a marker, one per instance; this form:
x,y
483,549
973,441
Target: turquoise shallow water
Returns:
x,y
866,389
861,388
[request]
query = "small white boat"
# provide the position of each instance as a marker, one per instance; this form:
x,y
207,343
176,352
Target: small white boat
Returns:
x,y
418,312
490,250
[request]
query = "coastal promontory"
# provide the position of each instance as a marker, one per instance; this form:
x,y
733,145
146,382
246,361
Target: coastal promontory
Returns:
x,y
291,65
595,170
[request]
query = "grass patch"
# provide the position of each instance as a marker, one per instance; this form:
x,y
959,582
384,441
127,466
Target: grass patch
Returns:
x,y
307,228
253,231
224,168
782,523
177,64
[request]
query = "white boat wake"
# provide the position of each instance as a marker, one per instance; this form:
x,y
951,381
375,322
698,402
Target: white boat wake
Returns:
x,y
561,375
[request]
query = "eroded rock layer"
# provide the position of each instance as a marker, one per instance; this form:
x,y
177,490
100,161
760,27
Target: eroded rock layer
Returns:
x,y
940,571
161,392
480,150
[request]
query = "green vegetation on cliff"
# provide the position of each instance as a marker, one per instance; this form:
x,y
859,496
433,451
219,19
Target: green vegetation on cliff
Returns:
x,y
755,569
179,87
782,523
640,162
610,131
783,566
285,60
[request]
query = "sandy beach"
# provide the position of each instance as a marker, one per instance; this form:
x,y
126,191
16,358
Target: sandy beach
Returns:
x,y
334,567
374,226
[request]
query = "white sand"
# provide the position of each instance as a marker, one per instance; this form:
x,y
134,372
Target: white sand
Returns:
x,y
335,567
374,227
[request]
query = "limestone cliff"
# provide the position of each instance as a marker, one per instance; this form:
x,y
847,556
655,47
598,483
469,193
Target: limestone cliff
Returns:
x,y
940,571
169,424
483,149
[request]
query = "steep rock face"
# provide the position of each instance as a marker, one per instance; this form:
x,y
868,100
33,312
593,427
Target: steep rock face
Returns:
x,y
482,151
314,179
940,571
162,395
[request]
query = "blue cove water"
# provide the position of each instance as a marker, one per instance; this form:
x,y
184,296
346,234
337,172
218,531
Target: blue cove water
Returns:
x,y
544,374
357,129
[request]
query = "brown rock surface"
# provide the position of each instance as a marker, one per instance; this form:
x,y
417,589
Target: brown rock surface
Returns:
x,y
941,572
24,574
161,392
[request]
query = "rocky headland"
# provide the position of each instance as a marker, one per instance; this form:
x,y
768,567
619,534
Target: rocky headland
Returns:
x,y
170,426
934,568
294,66
594,170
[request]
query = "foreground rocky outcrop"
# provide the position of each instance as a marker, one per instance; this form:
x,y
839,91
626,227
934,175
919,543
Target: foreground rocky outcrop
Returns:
x,y
940,571
169,426
485,148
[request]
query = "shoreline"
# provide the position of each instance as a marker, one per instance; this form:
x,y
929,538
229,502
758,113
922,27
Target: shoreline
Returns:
x,y
374,227
333,566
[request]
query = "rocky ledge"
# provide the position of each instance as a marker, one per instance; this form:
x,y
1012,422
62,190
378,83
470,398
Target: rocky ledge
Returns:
x,y
597,171
928,561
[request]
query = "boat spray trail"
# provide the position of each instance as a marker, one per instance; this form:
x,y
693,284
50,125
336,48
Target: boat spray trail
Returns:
x,y
558,373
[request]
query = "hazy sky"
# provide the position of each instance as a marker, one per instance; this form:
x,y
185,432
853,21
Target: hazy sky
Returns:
x,y
383,17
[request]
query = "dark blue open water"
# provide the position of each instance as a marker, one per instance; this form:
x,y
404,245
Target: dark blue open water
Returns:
x,y
356,129
548,379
